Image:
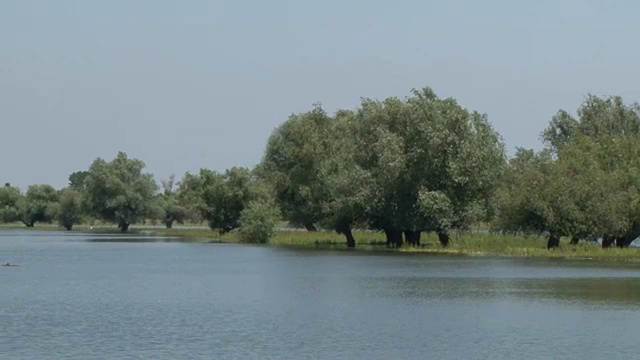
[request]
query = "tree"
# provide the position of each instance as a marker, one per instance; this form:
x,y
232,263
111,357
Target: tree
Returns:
x,y
10,198
307,164
460,164
170,209
612,191
258,221
221,198
292,163
189,194
407,153
119,191
535,197
69,209
589,190
583,148
38,204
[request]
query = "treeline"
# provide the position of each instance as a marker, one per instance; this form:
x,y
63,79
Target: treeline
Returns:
x,y
399,166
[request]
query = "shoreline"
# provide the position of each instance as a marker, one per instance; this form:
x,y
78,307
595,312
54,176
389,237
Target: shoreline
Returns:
x,y
463,244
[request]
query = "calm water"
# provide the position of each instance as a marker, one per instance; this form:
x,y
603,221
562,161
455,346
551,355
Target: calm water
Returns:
x,y
77,298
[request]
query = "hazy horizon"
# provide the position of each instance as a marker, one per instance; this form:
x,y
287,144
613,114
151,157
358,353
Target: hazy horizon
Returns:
x,y
183,86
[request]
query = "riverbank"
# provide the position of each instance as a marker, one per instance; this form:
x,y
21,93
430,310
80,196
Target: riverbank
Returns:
x,y
470,244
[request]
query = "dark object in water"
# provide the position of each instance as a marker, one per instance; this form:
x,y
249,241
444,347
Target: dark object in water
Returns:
x,y
9,264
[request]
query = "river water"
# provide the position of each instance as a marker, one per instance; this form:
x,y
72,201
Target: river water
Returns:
x,y
81,296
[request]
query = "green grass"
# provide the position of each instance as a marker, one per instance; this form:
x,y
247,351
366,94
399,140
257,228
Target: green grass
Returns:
x,y
281,238
471,244
520,246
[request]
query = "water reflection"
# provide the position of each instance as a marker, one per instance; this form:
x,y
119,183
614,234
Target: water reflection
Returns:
x,y
617,292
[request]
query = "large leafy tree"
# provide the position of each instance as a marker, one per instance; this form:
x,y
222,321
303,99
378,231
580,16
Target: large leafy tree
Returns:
x,y
589,190
458,168
221,198
535,198
423,164
119,190
38,204
69,210
170,208
292,163
10,199
613,191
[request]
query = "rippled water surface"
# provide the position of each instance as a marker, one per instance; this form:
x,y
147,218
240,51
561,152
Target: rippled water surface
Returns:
x,y
79,296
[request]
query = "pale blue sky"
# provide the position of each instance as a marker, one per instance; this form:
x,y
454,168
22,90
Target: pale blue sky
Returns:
x,y
190,84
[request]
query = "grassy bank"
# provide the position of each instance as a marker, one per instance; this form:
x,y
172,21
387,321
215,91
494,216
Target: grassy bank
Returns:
x,y
476,244
473,244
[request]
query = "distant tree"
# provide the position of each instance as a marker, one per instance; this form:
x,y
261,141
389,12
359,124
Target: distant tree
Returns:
x,y
119,190
589,190
10,199
170,208
258,221
189,195
69,210
221,198
609,184
37,205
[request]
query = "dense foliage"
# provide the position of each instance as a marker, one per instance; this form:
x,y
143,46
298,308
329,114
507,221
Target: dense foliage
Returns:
x,y
398,166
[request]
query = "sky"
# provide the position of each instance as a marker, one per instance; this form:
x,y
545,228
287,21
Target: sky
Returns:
x,y
184,85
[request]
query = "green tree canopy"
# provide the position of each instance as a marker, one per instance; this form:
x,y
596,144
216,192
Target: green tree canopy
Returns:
x,y
221,198
590,190
597,117
170,208
69,210
119,190
38,204
10,199
422,164
292,163
258,221
77,180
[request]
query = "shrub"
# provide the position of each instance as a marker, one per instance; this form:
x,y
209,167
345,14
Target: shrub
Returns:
x,y
258,221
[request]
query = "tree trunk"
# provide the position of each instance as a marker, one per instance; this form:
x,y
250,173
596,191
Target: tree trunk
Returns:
x,y
444,238
623,242
346,231
394,238
607,241
311,227
574,240
553,242
168,223
28,224
124,227
412,237
226,230
68,226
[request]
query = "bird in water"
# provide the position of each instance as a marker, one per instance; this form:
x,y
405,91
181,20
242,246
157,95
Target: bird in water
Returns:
x,y
9,264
